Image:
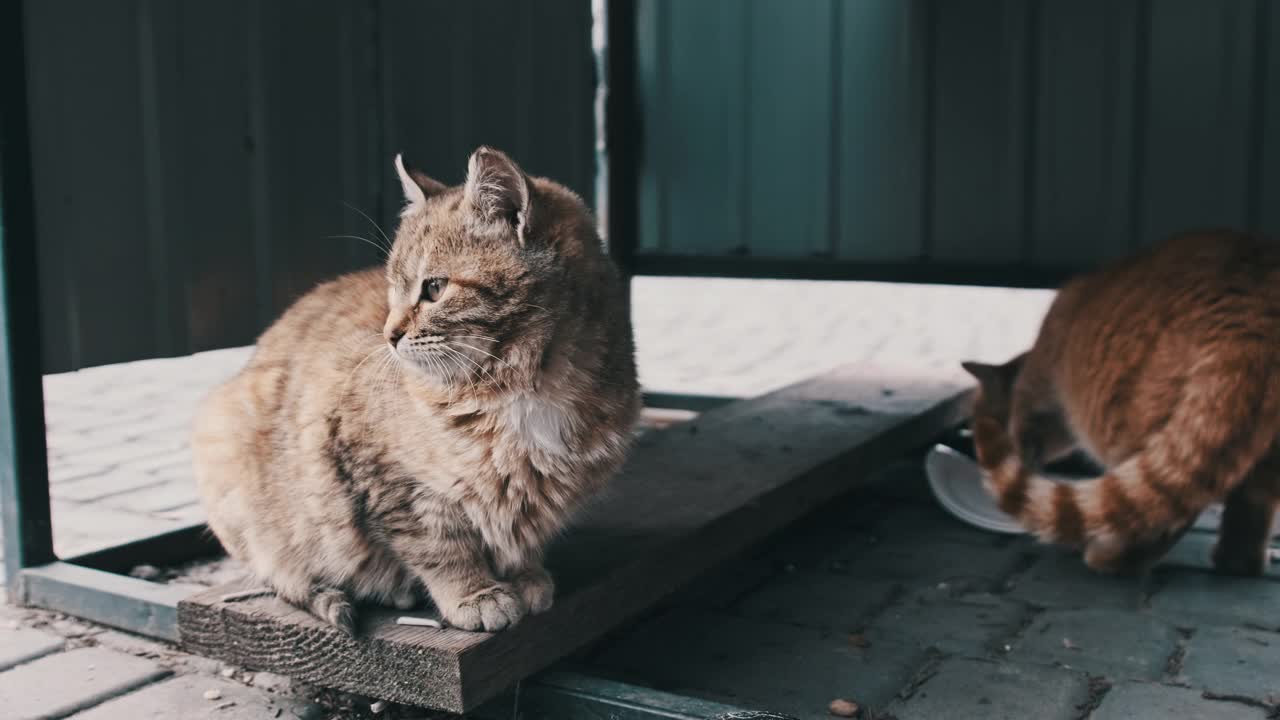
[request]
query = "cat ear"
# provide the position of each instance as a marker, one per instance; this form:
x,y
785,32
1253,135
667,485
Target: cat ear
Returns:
x,y
498,190
416,185
985,374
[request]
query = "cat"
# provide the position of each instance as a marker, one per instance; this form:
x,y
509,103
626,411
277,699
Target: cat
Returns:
x,y
1165,368
430,425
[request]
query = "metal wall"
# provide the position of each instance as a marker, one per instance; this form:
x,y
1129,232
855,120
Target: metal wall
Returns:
x,y
192,158
1000,141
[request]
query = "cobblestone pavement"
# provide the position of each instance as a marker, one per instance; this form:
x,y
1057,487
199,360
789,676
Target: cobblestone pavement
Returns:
x,y
879,599
883,600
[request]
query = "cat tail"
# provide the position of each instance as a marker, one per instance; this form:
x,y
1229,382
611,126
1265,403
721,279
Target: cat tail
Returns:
x,y
1221,425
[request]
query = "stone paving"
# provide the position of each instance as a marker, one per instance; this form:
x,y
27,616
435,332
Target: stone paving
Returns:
x,y
885,601
880,599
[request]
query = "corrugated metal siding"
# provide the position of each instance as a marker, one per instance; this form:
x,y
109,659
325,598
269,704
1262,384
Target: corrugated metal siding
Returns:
x,y
1001,132
194,158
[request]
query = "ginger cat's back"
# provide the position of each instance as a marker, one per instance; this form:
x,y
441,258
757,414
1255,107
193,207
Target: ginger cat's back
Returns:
x,y
1163,367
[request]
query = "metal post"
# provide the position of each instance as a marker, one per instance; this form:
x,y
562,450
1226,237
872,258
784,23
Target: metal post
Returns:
x,y
620,126
24,472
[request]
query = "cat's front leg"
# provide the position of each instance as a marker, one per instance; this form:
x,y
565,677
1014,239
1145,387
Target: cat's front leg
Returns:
x,y
536,587
455,571
521,565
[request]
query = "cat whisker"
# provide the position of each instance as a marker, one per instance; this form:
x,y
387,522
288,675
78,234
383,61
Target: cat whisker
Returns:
x,y
361,238
372,222
495,357
467,372
347,381
478,366
390,374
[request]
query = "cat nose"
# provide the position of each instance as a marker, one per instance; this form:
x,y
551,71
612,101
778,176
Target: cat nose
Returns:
x,y
393,334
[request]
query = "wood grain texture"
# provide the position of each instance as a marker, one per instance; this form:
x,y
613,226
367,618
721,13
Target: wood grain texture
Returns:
x,y
690,497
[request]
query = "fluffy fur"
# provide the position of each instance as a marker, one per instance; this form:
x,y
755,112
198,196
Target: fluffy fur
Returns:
x,y
430,425
1166,369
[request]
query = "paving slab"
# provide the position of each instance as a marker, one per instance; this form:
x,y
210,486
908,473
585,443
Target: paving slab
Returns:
x,y
1059,579
1234,661
1130,701
20,645
196,697
966,688
822,600
788,669
60,684
1192,596
1112,643
928,559
972,624
1193,552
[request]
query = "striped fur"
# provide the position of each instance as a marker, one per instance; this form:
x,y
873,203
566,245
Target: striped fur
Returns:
x,y
1165,368
385,440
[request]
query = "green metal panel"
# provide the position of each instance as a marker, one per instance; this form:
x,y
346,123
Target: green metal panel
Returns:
x,y
1266,206
703,125
195,161
1084,114
980,132
880,177
789,158
652,59
981,140
1196,138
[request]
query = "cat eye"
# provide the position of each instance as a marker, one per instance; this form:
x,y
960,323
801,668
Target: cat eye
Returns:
x,y
433,288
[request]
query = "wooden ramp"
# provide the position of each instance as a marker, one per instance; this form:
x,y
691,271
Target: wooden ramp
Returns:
x,y
691,496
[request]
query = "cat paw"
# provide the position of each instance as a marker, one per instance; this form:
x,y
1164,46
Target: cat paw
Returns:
x,y
537,589
494,608
335,608
1240,563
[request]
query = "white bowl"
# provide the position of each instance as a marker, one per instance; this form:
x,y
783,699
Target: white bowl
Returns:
x,y
956,480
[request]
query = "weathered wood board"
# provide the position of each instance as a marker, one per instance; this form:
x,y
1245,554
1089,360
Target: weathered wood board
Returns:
x,y
691,496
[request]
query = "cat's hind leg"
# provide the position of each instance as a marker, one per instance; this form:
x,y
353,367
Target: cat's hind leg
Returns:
x,y
1244,538
384,580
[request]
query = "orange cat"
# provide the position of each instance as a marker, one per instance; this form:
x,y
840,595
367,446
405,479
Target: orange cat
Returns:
x,y
1164,367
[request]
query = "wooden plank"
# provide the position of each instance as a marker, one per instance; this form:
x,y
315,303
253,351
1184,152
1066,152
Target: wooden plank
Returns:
x,y
690,497
1196,144
881,172
1086,98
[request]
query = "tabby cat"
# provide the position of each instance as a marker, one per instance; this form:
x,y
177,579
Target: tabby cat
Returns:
x,y
1165,368
430,425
